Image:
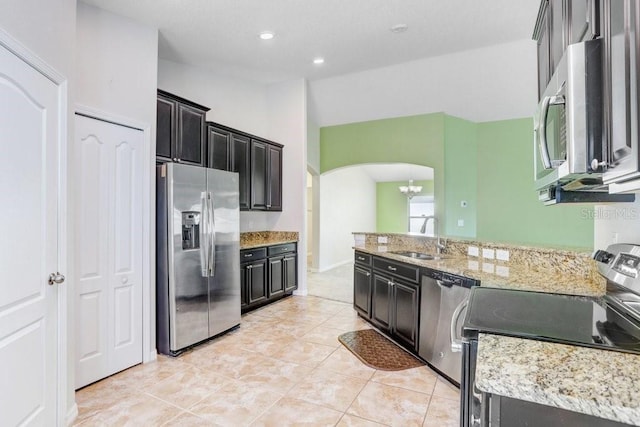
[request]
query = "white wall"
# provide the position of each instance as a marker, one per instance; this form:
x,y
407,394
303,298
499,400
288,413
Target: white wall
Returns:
x,y
287,120
347,205
493,83
617,223
116,65
48,30
238,104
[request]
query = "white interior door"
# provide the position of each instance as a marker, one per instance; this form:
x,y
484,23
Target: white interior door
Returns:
x,y
30,140
108,238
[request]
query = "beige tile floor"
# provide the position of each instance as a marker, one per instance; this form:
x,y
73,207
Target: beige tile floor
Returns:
x,y
283,366
335,284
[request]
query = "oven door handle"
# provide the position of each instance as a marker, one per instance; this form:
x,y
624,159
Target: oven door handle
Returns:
x,y
547,102
456,341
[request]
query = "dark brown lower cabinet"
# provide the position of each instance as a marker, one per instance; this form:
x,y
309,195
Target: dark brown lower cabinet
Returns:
x,y
268,274
253,283
387,294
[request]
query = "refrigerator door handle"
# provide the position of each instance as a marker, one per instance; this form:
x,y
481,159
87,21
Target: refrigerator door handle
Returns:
x,y
212,237
204,237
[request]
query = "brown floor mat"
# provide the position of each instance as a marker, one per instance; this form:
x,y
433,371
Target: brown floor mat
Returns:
x,y
376,351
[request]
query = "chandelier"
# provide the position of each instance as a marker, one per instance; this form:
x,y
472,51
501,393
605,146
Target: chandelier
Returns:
x,y
410,190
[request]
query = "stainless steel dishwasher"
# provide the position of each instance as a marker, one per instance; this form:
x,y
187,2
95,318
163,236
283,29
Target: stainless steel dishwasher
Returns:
x,y
443,302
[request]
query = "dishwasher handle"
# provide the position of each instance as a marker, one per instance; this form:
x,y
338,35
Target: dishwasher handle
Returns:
x,y
456,341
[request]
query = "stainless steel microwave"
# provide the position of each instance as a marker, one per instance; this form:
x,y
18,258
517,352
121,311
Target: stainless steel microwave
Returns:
x,y
569,134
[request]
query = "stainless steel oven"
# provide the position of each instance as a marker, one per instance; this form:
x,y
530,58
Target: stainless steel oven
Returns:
x,y
611,322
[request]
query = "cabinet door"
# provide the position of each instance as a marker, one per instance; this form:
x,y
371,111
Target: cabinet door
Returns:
x,y
165,127
240,162
544,67
405,309
257,285
258,175
190,142
244,283
584,22
290,268
381,301
557,38
362,290
218,148
276,277
274,180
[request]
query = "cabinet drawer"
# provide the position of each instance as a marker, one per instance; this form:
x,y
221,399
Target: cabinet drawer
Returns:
x,y
281,249
405,271
362,258
248,255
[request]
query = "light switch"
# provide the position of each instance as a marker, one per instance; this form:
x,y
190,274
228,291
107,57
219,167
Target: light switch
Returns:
x,y
382,239
461,223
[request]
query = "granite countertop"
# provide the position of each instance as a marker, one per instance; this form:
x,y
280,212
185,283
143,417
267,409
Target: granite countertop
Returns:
x,y
602,383
257,239
496,274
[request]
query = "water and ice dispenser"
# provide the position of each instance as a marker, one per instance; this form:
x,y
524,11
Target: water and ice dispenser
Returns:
x,y
190,230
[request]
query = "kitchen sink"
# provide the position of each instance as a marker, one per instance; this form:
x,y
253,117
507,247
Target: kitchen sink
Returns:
x,y
417,255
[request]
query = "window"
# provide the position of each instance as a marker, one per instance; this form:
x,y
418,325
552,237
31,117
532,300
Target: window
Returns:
x,y
419,208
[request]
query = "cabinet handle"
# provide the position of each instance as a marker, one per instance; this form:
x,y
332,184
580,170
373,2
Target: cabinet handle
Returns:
x,y
249,267
390,283
391,268
360,258
268,206
368,274
248,255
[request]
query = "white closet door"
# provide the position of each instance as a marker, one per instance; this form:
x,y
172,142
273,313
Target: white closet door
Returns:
x,y
108,236
30,139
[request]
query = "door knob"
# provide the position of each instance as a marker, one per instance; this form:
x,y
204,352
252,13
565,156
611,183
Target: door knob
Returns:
x,y
56,278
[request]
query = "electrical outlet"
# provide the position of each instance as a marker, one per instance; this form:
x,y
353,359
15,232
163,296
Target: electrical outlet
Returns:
x,y
502,255
382,239
461,223
488,253
473,251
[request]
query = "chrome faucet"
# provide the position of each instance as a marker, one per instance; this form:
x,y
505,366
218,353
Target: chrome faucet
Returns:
x,y
439,245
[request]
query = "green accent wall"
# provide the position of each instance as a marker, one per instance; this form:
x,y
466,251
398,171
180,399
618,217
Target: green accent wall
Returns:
x,y
412,139
487,165
508,206
392,207
460,174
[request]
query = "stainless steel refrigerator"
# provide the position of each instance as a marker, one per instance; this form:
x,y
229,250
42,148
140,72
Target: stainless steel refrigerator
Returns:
x,y
198,255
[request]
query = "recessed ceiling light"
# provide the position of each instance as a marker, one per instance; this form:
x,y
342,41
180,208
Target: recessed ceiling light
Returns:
x,y
399,28
266,35
318,61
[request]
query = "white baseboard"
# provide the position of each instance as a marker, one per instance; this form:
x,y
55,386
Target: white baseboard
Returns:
x,y
152,356
72,414
331,267
301,293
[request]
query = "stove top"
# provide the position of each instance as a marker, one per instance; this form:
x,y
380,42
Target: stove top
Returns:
x,y
566,319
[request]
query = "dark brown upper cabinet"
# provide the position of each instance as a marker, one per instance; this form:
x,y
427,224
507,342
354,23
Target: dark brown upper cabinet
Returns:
x,y
560,23
266,175
257,161
180,130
